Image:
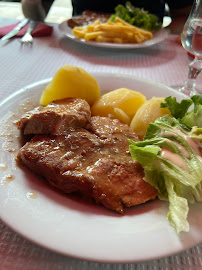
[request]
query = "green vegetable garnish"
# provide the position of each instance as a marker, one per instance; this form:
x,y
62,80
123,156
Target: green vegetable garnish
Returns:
x,y
137,17
180,110
171,155
177,109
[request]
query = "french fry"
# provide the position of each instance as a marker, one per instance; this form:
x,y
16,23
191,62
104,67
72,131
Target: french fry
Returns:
x,y
79,33
124,35
90,28
113,32
120,40
101,38
144,32
139,37
96,22
92,35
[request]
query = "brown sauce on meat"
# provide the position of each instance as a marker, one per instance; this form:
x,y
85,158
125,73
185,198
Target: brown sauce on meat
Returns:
x,y
87,17
10,137
93,160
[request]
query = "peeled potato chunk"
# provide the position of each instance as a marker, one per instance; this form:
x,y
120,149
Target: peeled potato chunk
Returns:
x,y
121,115
71,81
146,114
121,103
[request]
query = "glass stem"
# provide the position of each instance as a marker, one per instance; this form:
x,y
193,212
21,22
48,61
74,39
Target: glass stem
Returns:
x,y
189,86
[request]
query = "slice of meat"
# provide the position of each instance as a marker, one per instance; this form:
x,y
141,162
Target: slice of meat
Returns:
x,y
87,18
96,163
56,118
106,128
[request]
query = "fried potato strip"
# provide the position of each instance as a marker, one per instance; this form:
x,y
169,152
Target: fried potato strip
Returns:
x,y
118,31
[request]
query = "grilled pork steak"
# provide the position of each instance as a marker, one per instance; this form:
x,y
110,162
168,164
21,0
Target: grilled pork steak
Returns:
x,y
56,118
87,18
95,162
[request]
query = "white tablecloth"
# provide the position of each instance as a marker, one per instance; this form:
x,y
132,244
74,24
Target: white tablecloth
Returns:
x,y
165,63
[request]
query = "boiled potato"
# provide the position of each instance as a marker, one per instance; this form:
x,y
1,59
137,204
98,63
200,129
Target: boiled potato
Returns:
x,y
121,103
121,115
146,114
71,81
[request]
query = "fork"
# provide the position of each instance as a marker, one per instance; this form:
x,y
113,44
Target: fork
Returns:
x,y
27,38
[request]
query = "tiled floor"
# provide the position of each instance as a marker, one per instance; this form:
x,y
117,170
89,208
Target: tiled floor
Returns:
x,y
60,11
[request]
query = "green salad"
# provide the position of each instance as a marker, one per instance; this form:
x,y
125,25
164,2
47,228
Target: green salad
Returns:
x,y
171,155
137,17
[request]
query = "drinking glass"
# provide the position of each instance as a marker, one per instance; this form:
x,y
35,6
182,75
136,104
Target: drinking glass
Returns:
x,y
191,39
36,10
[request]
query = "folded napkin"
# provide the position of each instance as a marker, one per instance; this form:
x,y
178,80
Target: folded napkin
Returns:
x,y
40,30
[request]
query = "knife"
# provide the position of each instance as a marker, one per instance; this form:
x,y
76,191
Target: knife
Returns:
x,y
15,30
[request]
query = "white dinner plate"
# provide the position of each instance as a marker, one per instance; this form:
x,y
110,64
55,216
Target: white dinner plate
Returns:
x,y
72,226
158,37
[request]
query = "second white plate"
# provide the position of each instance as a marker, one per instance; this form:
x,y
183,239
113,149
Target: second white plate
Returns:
x,y
158,37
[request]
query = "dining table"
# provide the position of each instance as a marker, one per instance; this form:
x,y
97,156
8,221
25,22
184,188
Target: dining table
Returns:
x,y
163,63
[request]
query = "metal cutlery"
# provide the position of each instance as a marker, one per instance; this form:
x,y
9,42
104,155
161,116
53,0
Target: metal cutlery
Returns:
x,y
15,30
27,38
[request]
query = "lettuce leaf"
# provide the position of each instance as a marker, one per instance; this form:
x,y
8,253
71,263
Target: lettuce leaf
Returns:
x,y
172,161
137,17
193,118
179,110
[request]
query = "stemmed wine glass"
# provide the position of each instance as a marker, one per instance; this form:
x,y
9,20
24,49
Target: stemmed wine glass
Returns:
x,y
191,39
